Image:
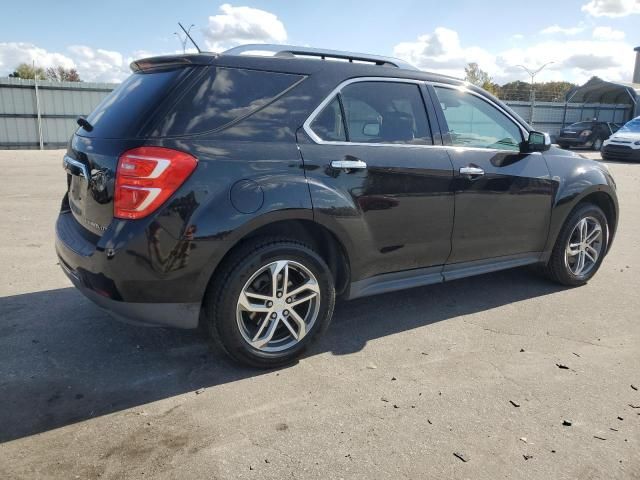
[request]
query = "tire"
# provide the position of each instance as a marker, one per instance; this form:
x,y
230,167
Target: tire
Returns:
x,y
564,146
597,144
242,326
562,267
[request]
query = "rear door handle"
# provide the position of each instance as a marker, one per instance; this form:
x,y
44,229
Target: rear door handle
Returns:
x,y
471,171
348,164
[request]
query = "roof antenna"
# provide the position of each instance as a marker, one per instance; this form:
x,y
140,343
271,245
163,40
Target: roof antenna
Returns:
x,y
189,36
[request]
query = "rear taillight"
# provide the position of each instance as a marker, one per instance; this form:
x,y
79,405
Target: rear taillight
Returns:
x,y
146,177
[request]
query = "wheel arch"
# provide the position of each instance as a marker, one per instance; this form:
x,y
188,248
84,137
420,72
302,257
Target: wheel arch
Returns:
x,y
303,229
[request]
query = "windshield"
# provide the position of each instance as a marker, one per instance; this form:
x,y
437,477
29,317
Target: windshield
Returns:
x,y
581,125
631,127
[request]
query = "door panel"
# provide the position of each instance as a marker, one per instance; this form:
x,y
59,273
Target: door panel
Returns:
x,y
506,211
398,212
503,198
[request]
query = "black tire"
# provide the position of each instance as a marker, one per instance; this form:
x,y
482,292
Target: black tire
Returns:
x,y
564,146
557,268
221,301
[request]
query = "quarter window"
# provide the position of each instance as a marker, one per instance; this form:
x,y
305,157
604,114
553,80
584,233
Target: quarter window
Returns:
x,y
473,122
375,112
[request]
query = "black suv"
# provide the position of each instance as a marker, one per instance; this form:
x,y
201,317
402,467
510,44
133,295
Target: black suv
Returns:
x,y
243,193
589,134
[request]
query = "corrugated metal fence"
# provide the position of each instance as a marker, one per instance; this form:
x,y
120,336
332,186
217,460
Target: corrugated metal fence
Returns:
x,y
550,117
49,113
46,116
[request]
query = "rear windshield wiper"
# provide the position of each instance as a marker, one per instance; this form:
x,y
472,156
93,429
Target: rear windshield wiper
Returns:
x,y
84,123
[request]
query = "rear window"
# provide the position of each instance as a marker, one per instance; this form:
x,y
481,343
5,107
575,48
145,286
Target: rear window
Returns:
x,y
220,96
124,110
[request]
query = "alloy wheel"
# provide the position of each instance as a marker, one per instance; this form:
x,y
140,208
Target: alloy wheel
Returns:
x,y
278,306
584,247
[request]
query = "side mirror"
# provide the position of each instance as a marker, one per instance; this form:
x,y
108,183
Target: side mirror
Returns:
x,y
537,142
371,129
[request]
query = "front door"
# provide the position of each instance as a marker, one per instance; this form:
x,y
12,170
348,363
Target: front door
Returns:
x,y
503,197
375,176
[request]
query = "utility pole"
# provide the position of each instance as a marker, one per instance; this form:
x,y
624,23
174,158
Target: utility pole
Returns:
x,y
532,93
183,40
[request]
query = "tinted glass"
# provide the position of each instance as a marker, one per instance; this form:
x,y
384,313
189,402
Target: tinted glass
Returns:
x,y
473,122
125,109
329,125
581,125
220,96
385,112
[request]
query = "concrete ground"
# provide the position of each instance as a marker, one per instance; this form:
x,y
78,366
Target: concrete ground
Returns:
x,y
400,384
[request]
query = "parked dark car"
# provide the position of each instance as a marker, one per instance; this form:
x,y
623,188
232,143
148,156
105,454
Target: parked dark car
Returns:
x,y
589,134
624,144
245,193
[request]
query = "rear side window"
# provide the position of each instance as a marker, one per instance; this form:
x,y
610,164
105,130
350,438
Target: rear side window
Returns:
x,y
220,96
375,112
124,110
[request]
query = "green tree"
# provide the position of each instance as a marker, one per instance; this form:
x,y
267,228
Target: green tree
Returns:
x,y
28,72
475,75
61,74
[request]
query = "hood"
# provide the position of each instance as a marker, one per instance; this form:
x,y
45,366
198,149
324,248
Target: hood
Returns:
x,y
626,136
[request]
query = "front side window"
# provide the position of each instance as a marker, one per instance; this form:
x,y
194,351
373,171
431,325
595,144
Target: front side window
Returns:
x,y
475,123
375,112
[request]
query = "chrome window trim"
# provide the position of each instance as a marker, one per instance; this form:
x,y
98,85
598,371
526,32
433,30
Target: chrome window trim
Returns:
x,y
316,139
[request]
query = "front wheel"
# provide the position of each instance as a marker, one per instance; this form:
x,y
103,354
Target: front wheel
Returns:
x,y
271,299
580,246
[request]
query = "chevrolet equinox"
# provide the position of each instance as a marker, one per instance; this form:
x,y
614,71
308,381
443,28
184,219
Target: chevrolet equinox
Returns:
x,y
243,193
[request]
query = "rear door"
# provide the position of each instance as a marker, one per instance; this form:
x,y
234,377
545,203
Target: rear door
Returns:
x,y
503,197
375,175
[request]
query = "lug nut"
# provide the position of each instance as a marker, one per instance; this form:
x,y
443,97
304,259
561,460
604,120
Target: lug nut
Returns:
x,y
289,300
269,304
274,315
286,313
279,294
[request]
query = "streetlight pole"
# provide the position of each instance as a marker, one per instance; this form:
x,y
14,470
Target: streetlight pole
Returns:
x,y
532,92
182,40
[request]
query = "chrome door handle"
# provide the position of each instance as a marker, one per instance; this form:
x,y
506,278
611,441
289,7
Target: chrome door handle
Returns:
x,y
471,171
348,164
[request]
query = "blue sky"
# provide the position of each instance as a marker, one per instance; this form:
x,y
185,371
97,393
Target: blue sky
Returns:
x,y
582,37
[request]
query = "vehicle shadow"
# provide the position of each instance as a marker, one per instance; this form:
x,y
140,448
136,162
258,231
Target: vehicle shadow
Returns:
x,y
63,360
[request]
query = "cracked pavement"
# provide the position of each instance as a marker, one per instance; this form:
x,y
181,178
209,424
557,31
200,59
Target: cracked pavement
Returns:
x,y
82,396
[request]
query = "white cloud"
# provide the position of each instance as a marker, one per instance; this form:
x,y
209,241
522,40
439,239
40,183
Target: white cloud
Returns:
x,y
14,53
608,33
574,60
442,52
98,65
562,30
612,8
237,25
93,65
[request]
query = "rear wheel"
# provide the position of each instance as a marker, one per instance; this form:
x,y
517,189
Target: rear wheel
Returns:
x,y
580,246
564,146
269,302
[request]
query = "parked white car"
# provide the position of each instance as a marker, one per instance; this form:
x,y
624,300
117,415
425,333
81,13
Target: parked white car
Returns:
x,y
624,144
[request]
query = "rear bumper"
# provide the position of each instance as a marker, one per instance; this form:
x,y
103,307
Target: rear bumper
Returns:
x,y
616,152
98,278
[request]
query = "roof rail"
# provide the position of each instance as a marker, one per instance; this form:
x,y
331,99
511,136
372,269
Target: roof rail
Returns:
x,y
292,51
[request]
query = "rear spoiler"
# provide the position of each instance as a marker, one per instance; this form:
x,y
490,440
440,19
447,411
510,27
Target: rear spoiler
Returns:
x,y
165,62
